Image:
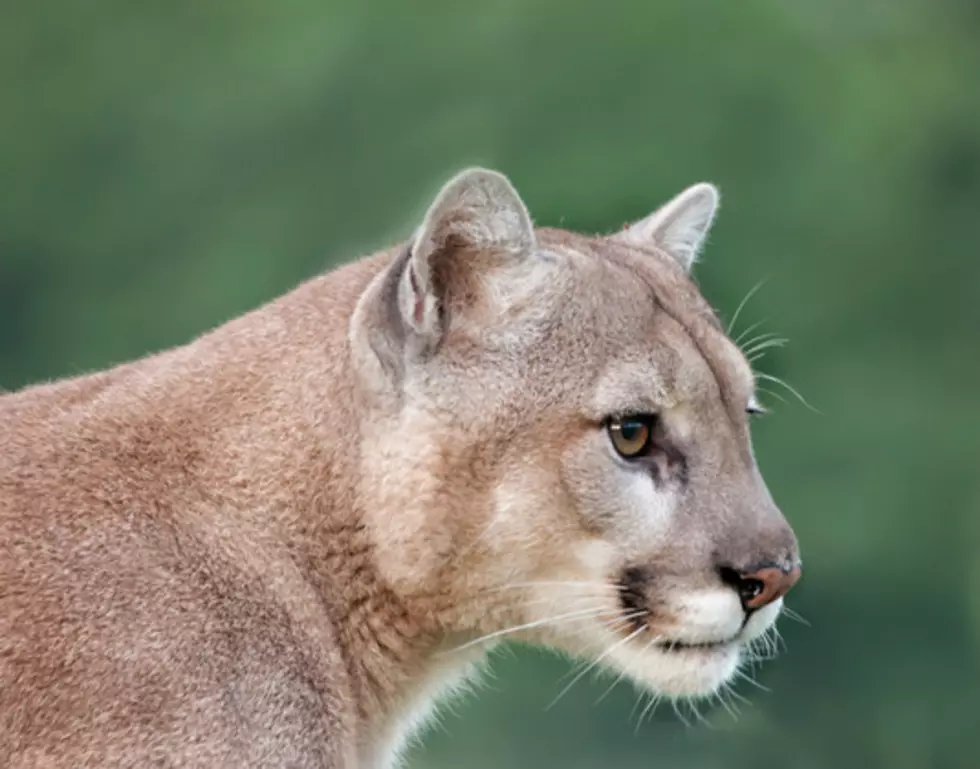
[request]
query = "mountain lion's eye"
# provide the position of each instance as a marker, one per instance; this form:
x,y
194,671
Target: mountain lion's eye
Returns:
x,y
631,435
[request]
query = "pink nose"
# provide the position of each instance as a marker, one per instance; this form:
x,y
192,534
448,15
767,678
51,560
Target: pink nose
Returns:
x,y
762,587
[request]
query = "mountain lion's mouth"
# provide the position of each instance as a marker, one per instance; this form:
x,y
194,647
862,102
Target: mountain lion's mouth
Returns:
x,y
682,646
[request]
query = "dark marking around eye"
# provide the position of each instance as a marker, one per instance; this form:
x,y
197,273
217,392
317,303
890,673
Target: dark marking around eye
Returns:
x,y
669,464
679,462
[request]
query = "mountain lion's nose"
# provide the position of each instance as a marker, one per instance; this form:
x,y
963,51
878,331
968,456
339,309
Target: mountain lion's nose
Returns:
x,y
763,586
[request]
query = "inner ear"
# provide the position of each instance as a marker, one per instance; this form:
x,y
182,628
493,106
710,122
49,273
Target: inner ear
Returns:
x,y
679,227
476,225
476,214
477,208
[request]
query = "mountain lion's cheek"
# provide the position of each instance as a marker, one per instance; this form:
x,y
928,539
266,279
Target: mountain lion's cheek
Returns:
x,y
619,503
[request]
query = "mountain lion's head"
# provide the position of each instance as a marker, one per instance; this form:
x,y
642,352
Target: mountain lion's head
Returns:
x,y
556,440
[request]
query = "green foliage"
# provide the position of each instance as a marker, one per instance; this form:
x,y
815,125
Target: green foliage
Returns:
x,y
167,166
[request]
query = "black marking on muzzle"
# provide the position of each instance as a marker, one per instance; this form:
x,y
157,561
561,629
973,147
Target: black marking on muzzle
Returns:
x,y
632,595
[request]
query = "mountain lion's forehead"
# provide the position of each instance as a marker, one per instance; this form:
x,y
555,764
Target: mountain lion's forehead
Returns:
x,y
642,281
635,289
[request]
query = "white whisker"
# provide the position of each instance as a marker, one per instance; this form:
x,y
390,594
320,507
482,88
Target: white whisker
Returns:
x,y
567,599
677,712
779,643
741,305
795,616
692,704
596,661
569,583
639,699
736,696
773,393
749,679
747,347
624,618
759,350
620,677
741,337
651,708
581,614
777,380
731,707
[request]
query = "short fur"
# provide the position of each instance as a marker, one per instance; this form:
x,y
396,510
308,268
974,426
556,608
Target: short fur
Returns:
x,y
277,545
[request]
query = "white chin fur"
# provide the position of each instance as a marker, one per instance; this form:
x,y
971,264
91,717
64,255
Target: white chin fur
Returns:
x,y
682,673
699,617
694,672
762,620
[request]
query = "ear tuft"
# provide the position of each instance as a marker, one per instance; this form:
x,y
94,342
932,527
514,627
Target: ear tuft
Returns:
x,y
681,226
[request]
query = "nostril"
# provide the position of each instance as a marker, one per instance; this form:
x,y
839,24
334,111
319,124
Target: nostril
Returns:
x,y
761,586
729,576
749,588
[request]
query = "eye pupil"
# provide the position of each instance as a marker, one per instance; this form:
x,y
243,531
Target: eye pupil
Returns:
x,y
630,437
631,431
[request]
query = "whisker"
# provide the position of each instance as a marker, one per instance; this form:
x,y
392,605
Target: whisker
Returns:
x,y
729,704
501,603
595,662
692,704
569,583
742,336
651,708
639,699
759,349
654,698
625,618
735,695
756,650
757,339
581,614
479,538
757,654
777,380
596,591
796,616
741,305
606,693
677,712
749,679
761,647
779,643
564,598
724,703
773,393
772,644
768,336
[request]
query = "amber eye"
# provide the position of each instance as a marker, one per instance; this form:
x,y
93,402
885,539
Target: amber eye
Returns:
x,y
631,435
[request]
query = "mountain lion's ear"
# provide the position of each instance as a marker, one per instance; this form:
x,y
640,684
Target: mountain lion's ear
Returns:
x,y
476,227
477,210
680,226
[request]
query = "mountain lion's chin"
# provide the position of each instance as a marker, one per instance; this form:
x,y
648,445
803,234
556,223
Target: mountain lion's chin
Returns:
x,y
679,670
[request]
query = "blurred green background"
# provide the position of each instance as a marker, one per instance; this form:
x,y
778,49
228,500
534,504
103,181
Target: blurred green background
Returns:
x,y
166,166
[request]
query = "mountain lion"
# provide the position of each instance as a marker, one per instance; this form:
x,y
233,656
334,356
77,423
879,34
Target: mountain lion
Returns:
x,y
279,544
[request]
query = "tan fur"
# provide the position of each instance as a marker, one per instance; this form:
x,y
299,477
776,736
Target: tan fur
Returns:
x,y
276,545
